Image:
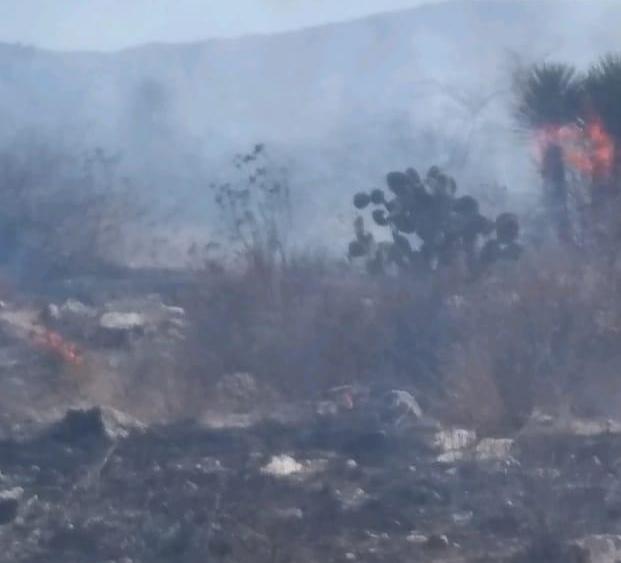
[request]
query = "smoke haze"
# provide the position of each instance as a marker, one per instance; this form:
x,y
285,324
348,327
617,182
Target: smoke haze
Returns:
x,y
337,104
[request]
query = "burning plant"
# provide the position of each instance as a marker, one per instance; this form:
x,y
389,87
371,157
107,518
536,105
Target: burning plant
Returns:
x,y
575,121
587,147
53,343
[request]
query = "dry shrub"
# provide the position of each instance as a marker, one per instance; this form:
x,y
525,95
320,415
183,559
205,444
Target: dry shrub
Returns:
x,y
311,324
473,399
543,333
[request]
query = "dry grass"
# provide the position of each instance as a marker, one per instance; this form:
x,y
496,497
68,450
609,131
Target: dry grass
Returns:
x,y
310,325
541,333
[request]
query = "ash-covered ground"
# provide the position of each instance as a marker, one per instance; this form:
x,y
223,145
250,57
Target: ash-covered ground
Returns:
x,y
353,473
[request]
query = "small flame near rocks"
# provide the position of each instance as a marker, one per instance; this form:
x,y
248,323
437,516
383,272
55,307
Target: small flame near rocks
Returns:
x,y
54,343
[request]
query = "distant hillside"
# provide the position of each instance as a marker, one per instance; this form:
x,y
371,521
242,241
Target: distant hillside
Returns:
x,y
339,103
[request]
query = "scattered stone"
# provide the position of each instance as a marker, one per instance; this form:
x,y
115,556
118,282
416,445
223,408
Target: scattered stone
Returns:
x,y
287,466
282,466
542,423
452,456
327,408
75,308
174,311
222,421
585,427
52,312
352,499
454,439
453,444
463,518
9,504
417,539
122,322
289,513
494,449
209,465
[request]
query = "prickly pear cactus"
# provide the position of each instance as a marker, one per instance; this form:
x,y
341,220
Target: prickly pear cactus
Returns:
x,y
430,226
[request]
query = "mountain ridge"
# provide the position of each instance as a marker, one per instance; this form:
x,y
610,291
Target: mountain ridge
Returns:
x,y
339,104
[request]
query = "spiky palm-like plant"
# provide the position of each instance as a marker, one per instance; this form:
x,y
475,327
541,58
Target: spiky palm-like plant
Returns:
x,y
602,96
549,99
549,95
602,89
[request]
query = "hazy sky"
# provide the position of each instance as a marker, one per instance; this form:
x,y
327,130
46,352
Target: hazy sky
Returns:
x,y
114,24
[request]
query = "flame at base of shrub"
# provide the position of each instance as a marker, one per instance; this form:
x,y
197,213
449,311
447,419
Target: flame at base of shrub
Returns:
x,y
587,147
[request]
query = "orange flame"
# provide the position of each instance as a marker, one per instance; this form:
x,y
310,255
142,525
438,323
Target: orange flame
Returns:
x,y
589,148
54,343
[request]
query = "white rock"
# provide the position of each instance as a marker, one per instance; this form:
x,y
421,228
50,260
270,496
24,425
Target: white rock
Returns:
x,y
494,449
454,439
452,456
289,513
462,518
174,311
53,311
351,464
353,498
122,321
418,539
453,444
327,408
282,466
77,308
16,493
585,427
221,421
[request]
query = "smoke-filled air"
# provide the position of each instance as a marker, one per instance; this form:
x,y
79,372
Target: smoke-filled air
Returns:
x,y
310,281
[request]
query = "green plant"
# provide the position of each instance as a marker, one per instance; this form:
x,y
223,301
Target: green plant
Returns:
x,y
444,227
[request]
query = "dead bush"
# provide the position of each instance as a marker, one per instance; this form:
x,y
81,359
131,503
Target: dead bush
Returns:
x,y
540,335
314,325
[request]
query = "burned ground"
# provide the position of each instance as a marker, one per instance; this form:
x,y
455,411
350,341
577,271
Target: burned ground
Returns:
x,y
237,466
301,486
